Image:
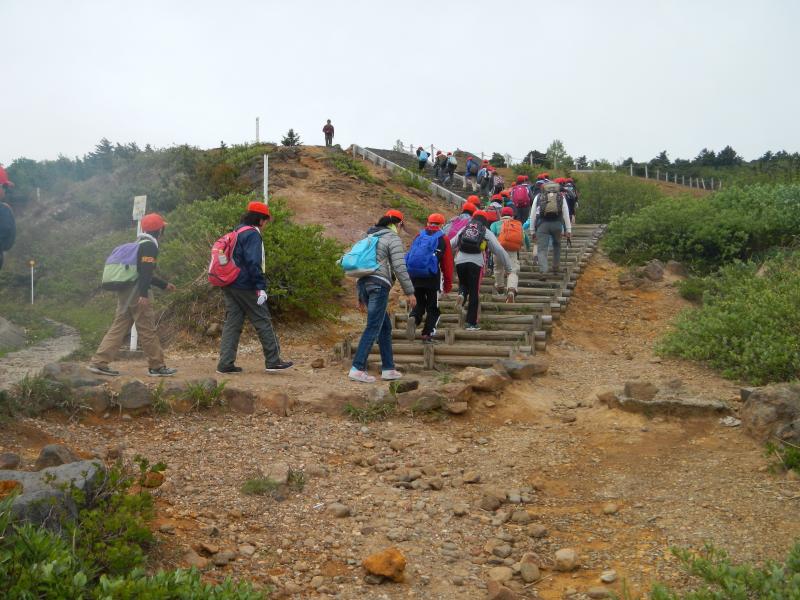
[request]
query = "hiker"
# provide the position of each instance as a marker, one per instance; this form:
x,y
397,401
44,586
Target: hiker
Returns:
x,y
498,184
8,225
471,172
458,222
422,157
373,297
511,236
471,242
483,178
328,131
246,297
449,168
571,193
430,265
439,164
134,305
550,218
522,198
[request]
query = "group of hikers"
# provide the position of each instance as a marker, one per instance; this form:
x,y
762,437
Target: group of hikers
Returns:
x,y
480,240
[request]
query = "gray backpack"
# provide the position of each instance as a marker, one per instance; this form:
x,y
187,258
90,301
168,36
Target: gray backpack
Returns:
x,y
550,201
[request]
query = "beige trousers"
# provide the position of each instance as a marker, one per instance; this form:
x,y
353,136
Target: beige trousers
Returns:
x,y
128,313
509,280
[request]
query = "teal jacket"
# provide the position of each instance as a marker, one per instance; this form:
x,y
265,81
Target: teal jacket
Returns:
x,y
497,225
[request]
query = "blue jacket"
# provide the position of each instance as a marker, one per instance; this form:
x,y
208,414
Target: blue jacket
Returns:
x,y
248,255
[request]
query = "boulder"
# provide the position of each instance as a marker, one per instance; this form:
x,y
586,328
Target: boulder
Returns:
x,y
335,402
500,574
9,461
11,336
389,563
640,390
483,380
278,472
72,374
278,403
133,395
525,369
44,499
96,398
318,363
421,401
654,270
497,591
456,408
243,401
405,385
676,268
773,411
456,392
54,455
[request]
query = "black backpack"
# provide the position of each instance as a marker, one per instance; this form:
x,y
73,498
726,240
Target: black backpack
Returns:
x,y
8,227
472,237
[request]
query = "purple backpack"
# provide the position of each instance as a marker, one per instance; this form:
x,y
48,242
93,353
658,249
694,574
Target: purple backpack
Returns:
x,y
120,269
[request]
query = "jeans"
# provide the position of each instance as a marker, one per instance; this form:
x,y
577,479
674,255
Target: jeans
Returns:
x,y
379,326
238,305
469,286
545,232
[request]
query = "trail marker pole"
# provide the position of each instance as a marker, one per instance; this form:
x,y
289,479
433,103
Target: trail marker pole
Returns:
x,y
33,264
257,137
266,176
139,208
631,169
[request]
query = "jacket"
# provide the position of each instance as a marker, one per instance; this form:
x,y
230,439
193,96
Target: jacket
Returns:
x,y
537,218
497,227
444,280
392,259
146,259
249,257
478,258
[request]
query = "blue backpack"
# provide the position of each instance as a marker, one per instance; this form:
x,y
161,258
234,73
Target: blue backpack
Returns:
x,y
421,259
362,260
481,175
423,156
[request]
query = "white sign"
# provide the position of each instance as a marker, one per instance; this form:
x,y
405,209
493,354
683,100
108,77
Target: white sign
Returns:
x,y
139,206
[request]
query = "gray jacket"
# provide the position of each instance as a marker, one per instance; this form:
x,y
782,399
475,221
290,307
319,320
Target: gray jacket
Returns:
x,y
392,258
478,259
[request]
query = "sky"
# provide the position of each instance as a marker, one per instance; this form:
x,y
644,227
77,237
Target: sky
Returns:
x,y
610,79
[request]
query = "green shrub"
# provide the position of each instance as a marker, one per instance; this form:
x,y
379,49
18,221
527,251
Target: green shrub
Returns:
x,y
259,486
747,326
202,396
736,223
373,411
409,206
606,195
693,288
724,580
788,456
349,166
34,394
409,179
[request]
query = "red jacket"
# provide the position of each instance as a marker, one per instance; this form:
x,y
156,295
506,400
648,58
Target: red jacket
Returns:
x,y
445,262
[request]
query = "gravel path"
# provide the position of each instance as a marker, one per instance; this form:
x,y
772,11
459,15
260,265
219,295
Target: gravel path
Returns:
x,y
15,365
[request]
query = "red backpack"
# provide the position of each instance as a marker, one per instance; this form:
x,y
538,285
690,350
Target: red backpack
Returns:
x,y
520,196
222,271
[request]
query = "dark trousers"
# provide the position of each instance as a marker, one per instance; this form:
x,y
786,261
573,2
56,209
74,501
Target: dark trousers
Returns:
x,y
469,286
428,307
238,305
328,140
422,164
523,213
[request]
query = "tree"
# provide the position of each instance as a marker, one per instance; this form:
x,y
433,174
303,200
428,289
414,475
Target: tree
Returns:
x,y
497,160
534,157
661,160
291,139
628,162
601,164
556,153
581,163
727,157
706,158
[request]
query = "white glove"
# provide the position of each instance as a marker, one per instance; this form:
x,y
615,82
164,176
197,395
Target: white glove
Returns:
x,y
262,297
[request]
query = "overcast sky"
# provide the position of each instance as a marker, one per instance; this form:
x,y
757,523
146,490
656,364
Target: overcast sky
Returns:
x,y
610,79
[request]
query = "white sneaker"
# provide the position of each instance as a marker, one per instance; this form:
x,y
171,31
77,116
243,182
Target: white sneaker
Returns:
x,y
360,376
391,374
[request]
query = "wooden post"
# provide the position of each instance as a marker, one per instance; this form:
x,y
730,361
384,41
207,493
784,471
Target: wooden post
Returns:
x,y
658,174
428,356
631,165
683,179
712,183
645,172
703,181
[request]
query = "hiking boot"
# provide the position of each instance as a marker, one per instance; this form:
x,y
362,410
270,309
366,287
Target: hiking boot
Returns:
x,y
411,328
229,370
279,366
360,376
391,374
102,370
162,372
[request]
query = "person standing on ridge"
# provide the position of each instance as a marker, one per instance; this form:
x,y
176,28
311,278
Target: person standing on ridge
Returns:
x,y
134,306
373,298
328,131
8,225
247,296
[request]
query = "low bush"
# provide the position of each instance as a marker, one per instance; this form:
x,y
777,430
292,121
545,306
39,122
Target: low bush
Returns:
x,y
203,397
607,195
373,411
350,166
788,456
409,179
409,206
747,326
724,580
733,224
34,394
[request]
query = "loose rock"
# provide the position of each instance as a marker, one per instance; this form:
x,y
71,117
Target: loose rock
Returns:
x,y
338,510
54,455
389,563
609,576
9,461
566,560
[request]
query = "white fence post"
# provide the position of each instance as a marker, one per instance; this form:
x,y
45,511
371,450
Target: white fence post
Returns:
x,y
645,172
631,165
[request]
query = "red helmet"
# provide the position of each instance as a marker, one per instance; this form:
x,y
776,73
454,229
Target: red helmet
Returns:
x,y
4,180
468,207
438,152
505,193
260,208
469,158
394,213
525,178
473,199
436,218
497,198
520,178
153,222
449,153
485,161
507,212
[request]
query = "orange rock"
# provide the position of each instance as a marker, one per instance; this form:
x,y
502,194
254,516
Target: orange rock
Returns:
x,y
152,479
390,563
9,486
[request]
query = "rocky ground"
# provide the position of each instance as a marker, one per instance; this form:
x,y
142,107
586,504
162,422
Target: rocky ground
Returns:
x,y
538,467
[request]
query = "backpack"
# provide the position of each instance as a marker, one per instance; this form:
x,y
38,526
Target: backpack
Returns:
x,y
498,183
473,168
222,271
452,161
454,226
472,237
520,196
421,258
120,269
481,175
550,201
423,156
8,227
510,237
362,259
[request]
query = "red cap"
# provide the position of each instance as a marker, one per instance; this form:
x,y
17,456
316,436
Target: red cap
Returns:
x,y
260,208
436,218
394,213
497,197
4,180
469,158
473,199
570,180
492,169
525,178
505,193
449,153
468,207
507,212
153,222
485,161
480,213
520,178
438,152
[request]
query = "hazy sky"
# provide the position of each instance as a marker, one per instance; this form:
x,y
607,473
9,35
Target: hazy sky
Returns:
x,y
610,79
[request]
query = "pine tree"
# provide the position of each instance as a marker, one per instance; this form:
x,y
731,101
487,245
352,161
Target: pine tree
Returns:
x,y
291,139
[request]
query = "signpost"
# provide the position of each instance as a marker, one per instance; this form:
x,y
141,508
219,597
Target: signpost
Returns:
x,y
33,264
139,208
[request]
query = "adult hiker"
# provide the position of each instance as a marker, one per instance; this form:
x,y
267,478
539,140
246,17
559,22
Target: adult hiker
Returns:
x,y
328,131
458,222
8,225
550,218
430,265
422,158
373,297
511,236
246,297
449,168
471,172
522,198
483,178
498,183
472,242
571,194
439,165
134,303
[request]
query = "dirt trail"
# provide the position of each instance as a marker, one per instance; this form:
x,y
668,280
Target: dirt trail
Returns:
x,y
675,482
15,365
